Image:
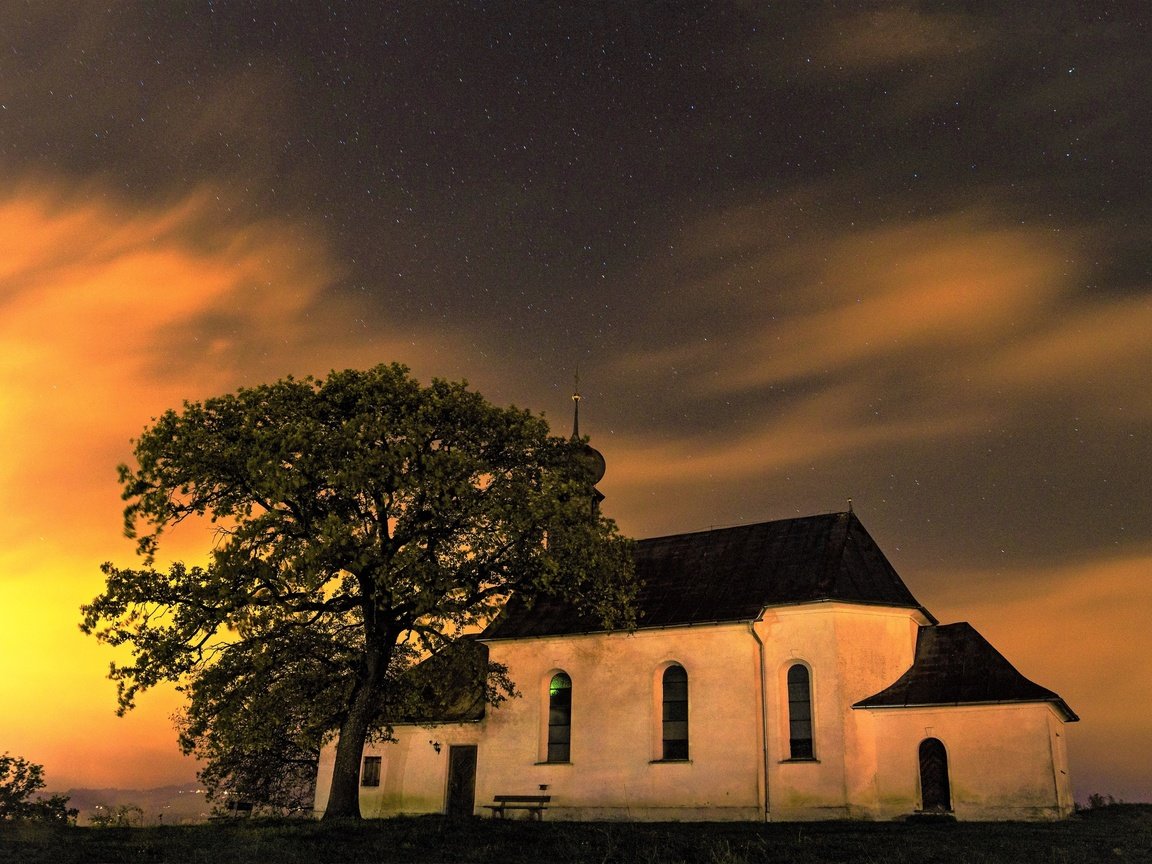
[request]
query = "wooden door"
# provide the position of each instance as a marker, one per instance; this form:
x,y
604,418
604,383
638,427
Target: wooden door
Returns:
x,y
461,798
934,791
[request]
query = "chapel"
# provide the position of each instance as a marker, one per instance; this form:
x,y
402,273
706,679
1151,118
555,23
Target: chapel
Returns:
x,y
778,671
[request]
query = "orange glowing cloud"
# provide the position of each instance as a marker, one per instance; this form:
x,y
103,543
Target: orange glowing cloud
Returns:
x,y
928,304
881,295
831,304
91,301
895,34
109,316
964,313
1099,350
821,427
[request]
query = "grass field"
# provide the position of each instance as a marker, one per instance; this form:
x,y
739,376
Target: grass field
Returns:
x,y
1120,833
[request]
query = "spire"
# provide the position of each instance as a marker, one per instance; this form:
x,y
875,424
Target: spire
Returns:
x,y
576,397
590,459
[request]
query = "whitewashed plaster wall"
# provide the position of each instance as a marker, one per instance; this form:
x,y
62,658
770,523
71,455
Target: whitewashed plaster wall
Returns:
x,y
853,652
413,775
1004,761
615,769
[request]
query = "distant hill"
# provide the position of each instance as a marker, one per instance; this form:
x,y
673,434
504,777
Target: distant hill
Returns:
x,y
163,805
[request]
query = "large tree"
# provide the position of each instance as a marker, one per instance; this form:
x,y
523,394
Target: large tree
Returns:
x,y
362,521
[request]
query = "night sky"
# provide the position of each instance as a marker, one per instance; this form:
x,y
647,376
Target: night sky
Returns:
x,y
799,252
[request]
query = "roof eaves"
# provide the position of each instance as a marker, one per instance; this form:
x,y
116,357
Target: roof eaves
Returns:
x,y
1069,715
744,618
883,604
426,723
602,632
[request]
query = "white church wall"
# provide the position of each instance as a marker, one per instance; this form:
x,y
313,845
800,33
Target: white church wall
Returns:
x,y
1004,761
615,771
413,772
851,651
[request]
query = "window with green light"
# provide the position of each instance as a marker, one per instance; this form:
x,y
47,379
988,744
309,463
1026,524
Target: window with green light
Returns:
x,y
560,718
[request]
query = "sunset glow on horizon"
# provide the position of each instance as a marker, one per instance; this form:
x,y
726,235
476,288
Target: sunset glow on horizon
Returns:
x,y
798,256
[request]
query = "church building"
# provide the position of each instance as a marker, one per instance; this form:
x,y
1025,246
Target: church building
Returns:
x,y
778,671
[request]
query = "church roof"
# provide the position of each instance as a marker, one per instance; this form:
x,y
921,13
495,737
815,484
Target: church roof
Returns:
x,y
448,687
955,665
732,574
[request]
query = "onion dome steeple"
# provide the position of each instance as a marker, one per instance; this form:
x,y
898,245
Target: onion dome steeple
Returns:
x,y
589,459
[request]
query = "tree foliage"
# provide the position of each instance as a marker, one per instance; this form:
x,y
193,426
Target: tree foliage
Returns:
x,y
363,521
19,781
256,718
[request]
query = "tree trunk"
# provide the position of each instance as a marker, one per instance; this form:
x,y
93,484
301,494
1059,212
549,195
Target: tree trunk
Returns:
x,y
344,796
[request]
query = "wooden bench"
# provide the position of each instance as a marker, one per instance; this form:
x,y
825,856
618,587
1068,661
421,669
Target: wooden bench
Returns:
x,y
234,810
534,804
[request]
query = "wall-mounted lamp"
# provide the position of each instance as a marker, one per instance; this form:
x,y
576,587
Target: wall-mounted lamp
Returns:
x,y
435,746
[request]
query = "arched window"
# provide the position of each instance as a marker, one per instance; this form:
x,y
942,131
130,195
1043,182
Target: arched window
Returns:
x,y
935,794
560,718
675,713
800,713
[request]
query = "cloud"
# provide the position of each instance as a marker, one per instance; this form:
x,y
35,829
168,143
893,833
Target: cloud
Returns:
x,y
92,298
953,374
1098,349
912,304
109,316
946,285
819,428
962,316
895,34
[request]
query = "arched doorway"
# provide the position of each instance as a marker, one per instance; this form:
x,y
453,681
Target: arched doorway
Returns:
x,y
934,792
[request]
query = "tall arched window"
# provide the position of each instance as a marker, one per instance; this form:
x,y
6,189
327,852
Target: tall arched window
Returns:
x,y
675,713
560,718
800,713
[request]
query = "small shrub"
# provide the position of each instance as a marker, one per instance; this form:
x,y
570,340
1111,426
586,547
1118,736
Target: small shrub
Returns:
x,y
1096,801
123,816
19,780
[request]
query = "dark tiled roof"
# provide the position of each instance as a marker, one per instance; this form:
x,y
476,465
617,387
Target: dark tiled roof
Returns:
x,y
955,665
731,574
446,687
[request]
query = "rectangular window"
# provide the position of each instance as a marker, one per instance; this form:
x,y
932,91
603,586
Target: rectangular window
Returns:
x,y
370,773
675,713
799,713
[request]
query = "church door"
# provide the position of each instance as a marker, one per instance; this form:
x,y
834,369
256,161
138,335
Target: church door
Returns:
x,y
461,780
934,791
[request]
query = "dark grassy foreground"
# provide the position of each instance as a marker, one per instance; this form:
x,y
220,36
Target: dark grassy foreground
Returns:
x,y
1120,833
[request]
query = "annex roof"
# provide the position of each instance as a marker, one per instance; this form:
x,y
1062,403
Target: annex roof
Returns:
x,y
955,665
732,574
448,687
